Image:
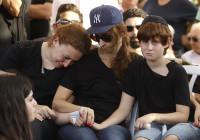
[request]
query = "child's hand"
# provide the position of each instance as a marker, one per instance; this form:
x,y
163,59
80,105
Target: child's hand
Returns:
x,y
144,121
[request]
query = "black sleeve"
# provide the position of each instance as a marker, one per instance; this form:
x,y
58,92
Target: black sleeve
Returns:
x,y
127,84
13,60
182,94
69,81
189,10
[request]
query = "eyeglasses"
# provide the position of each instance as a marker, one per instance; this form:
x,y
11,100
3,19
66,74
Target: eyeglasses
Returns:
x,y
66,21
131,28
104,37
195,39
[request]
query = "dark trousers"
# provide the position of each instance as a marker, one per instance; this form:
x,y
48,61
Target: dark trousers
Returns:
x,y
44,130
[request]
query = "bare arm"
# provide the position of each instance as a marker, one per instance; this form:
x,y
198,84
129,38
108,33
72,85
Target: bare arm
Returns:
x,y
120,114
60,102
181,115
197,110
62,118
6,73
40,11
13,6
197,97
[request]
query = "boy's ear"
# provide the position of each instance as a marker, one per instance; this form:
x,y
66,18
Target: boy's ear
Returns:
x,y
169,43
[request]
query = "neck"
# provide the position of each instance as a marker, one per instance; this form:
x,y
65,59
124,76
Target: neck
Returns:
x,y
159,66
163,2
197,51
46,56
157,63
106,55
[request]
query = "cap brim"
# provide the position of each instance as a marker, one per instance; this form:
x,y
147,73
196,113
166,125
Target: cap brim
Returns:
x,y
97,30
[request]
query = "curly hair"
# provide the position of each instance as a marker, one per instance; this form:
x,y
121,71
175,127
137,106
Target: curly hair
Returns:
x,y
133,12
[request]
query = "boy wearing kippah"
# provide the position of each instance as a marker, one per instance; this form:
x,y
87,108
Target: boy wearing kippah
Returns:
x,y
159,85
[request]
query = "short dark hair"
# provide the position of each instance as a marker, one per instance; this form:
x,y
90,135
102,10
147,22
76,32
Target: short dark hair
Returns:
x,y
133,12
152,31
68,7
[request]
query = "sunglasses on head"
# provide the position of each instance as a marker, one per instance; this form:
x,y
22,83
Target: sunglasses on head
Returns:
x,y
195,39
66,21
104,37
131,28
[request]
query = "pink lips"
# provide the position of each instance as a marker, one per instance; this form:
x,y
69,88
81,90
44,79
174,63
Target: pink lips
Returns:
x,y
148,53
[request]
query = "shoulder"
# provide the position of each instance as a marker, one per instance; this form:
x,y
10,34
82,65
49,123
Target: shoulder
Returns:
x,y
136,66
187,54
136,57
175,67
186,3
89,58
26,49
29,44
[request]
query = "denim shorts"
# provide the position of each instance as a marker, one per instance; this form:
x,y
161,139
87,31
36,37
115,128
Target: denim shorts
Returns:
x,y
184,131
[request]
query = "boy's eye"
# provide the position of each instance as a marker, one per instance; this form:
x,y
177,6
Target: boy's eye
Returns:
x,y
155,42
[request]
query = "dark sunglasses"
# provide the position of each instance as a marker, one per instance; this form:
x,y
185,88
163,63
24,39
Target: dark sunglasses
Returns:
x,y
131,28
65,21
104,37
195,39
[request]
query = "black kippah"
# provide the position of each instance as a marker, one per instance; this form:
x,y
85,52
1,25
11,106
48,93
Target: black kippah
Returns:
x,y
156,19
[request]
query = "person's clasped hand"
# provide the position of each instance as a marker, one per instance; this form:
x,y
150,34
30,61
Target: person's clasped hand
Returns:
x,y
197,117
86,117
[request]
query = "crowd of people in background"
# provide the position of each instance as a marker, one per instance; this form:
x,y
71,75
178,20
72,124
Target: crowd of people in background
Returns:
x,y
96,58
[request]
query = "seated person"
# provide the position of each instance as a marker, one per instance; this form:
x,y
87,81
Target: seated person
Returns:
x,y
17,107
96,78
193,56
160,87
45,63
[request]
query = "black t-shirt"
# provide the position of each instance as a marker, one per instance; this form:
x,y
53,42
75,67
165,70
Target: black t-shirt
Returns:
x,y
25,56
156,93
39,27
95,85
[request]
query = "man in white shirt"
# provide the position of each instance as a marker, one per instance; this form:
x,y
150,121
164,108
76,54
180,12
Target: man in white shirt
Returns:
x,y
193,56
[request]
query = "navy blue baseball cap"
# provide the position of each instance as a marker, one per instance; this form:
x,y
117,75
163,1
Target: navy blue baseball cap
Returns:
x,y
103,18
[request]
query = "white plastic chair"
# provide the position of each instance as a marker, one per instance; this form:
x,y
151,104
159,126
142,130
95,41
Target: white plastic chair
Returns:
x,y
134,115
194,71
190,69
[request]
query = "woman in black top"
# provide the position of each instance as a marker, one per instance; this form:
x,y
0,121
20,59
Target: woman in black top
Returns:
x,y
45,63
96,78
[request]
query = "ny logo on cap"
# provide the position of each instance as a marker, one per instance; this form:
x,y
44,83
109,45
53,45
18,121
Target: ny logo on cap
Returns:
x,y
97,18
